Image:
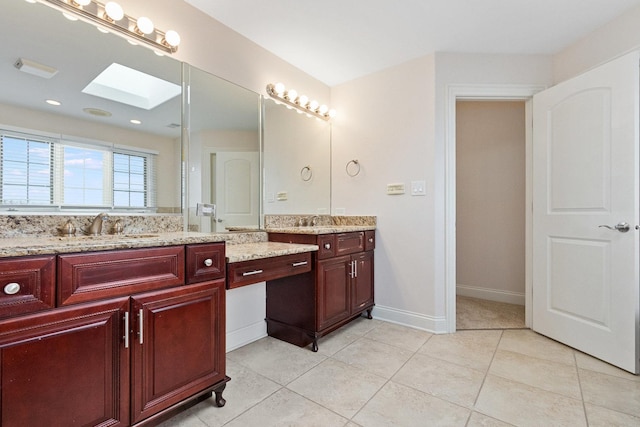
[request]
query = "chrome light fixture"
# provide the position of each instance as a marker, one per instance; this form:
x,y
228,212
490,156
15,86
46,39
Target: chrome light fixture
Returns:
x,y
301,102
111,16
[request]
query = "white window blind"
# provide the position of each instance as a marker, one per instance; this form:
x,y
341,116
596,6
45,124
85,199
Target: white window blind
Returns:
x,y
65,174
27,162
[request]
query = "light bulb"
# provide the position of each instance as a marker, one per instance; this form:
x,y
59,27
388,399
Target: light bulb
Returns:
x,y
313,105
114,11
303,100
332,113
323,109
81,2
292,95
172,38
279,89
69,16
144,25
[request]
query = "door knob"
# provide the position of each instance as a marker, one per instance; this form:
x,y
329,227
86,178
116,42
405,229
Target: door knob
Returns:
x,y
622,227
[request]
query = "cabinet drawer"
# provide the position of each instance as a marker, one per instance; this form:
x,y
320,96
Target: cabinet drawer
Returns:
x,y
327,244
95,275
260,270
349,243
27,284
205,262
369,240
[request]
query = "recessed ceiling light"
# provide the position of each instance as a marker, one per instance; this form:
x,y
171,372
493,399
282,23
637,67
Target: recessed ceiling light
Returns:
x,y
135,121
132,87
53,102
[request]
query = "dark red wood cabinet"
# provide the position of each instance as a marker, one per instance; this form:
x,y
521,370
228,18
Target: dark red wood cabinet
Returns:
x,y
340,287
127,345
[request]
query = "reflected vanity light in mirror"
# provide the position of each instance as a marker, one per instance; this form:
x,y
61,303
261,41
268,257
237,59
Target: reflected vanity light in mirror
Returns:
x,y
53,102
112,17
290,97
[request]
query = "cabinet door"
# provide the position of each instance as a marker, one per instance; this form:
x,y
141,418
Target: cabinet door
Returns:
x,y
178,348
66,368
333,293
362,282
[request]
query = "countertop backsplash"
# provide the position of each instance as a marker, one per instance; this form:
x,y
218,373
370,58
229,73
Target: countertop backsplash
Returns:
x,y
287,221
12,226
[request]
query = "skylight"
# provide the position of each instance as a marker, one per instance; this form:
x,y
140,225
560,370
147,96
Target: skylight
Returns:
x,y
132,87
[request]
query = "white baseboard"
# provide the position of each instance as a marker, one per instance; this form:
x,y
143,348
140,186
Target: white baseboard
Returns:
x,y
491,294
248,334
435,325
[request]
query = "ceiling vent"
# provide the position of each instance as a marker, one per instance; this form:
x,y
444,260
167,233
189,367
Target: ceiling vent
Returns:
x,y
34,68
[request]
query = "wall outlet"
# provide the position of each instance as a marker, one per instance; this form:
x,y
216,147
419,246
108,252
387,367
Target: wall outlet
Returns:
x,y
205,209
395,188
282,195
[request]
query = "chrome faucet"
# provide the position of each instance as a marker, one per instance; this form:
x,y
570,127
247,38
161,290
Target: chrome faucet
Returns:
x,y
96,226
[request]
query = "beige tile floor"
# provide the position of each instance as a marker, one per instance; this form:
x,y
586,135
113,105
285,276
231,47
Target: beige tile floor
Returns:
x,y
374,373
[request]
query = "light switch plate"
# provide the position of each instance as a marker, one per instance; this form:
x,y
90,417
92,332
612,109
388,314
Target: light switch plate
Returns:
x,y
395,188
418,188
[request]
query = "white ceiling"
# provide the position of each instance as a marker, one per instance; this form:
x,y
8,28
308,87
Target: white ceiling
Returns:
x,y
339,40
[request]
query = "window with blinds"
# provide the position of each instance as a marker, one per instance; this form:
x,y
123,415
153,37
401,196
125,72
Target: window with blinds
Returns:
x,y
42,171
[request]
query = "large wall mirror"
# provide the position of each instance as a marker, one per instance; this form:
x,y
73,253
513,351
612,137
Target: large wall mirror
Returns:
x,y
223,153
85,152
297,159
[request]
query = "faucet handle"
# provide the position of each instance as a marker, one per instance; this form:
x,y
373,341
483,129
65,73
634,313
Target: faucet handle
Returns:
x,y
118,227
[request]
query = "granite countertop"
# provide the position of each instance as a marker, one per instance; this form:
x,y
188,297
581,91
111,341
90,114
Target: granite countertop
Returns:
x,y
259,250
38,245
321,229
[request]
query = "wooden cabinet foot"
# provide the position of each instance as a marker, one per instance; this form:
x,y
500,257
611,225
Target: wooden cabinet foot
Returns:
x,y
220,401
369,316
314,346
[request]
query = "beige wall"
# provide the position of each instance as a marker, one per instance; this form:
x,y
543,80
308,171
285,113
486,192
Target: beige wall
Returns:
x,y
613,39
490,200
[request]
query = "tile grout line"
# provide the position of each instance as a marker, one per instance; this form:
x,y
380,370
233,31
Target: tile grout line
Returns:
x,y
389,379
475,402
584,406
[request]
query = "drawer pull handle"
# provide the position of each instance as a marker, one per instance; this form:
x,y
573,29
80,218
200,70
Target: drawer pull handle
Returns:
x,y
251,273
208,262
126,329
298,264
327,245
12,288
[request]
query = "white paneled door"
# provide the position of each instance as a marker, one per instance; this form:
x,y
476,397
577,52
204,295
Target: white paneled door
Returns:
x,y
585,212
236,189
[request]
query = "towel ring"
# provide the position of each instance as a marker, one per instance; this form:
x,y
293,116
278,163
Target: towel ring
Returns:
x,y
353,170
306,174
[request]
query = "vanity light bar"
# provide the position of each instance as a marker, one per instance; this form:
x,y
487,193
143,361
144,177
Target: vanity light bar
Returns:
x,y
112,17
290,97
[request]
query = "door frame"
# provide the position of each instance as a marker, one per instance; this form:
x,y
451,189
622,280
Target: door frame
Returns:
x,y
477,92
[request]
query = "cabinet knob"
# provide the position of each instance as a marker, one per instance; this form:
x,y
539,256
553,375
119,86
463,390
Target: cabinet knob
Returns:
x,y
208,262
327,245
12,288
370,239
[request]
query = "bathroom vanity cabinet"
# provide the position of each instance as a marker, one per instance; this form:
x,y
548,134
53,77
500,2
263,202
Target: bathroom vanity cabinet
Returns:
x,y
340,287
130,340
